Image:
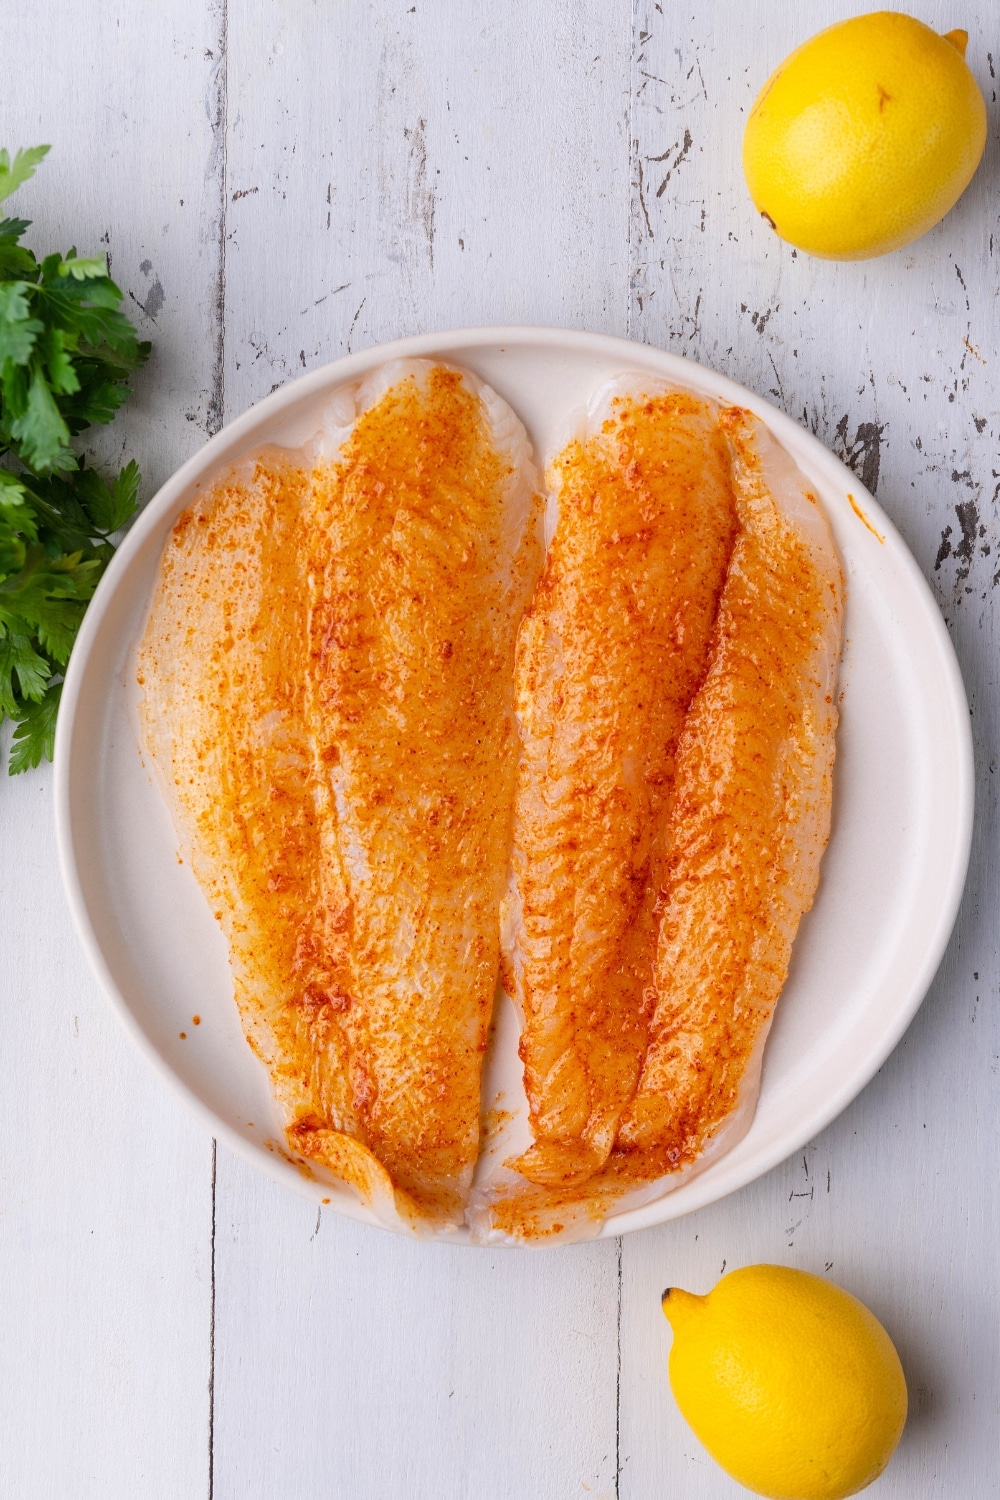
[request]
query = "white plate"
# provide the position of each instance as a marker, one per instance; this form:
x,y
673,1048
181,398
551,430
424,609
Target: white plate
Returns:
x,y
891,878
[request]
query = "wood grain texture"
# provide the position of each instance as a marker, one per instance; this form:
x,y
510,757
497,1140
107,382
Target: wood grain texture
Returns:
x,y
107,1184
354,1363
395,168
890,362
105,1226
455,167
277,186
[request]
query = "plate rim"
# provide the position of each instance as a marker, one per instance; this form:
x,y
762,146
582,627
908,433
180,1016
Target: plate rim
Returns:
x,y
232,439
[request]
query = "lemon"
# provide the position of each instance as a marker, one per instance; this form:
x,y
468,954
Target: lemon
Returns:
x,y
791,1384
865,136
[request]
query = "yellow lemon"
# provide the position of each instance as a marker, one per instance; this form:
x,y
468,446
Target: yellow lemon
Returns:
x,y
865,136
791,1384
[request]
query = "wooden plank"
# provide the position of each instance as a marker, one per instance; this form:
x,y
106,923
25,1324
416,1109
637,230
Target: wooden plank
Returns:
x,y
106,1222
392,169
889,362
395,168
367,1365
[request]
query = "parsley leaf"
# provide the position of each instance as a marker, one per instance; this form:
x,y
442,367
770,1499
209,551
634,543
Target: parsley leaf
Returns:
x,y
18,658
39,434
81,269
23,167
35,735
109,507
66,354
18,329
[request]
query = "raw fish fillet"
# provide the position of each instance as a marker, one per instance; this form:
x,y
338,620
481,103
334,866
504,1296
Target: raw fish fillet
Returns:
x,y
608,659
222,718
328,701
427,546
750,820
747,824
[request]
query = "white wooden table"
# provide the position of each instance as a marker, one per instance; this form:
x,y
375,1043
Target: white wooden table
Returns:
x,y
277,184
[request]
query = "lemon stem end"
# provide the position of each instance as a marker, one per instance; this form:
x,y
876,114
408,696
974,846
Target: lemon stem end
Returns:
x,y
959,40
677,1304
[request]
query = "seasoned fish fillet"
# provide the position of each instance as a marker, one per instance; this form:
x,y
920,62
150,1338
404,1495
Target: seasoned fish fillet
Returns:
x,y
222,717
328,699
748,820
608,659
426,548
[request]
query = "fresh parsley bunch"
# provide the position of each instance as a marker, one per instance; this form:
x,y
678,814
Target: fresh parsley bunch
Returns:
x,y
66,353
